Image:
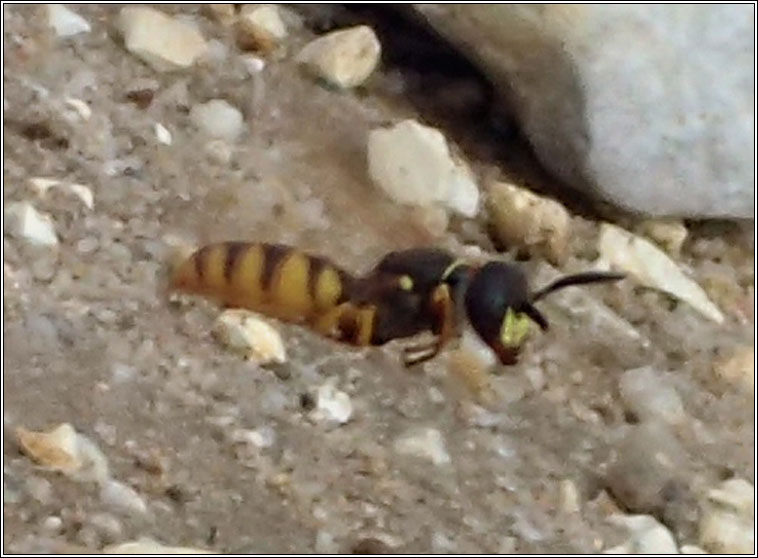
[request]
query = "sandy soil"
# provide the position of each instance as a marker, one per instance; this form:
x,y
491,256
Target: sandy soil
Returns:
x,y
91,339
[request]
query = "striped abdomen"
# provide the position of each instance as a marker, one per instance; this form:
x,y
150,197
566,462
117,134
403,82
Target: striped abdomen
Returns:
x,y
276,280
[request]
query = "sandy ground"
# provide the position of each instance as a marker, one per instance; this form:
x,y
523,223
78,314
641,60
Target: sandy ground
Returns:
x,y
91,339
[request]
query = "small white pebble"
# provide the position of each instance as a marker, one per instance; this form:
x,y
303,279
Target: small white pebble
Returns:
x,y
253,64
648,394
569,496
81,108
260,27
218,119
333,404
41,185
33,226
163,135
536,377
426,443
691,549
263,437
248,334
646,536
164,42
52,524
413,164
64,22
436,395
345,58
123,498
87,245
83,193
727,524
146,545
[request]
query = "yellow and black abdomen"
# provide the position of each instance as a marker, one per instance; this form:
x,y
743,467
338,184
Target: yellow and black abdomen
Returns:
x,y
276,280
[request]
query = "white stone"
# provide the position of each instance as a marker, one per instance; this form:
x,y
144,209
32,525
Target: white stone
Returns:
x,y
413,165
226,14
333,404
25,221
82,109
218,119
146,545
684,75
123,498
653,268
646,536
649,395
524,219
670,234
94,462
84,193
162,134
261,26
425,443
691,549
163,42
216,52
41,185
263,437
344,58
52,523
246,333
64,22
253,64
727,523
569,496
65,450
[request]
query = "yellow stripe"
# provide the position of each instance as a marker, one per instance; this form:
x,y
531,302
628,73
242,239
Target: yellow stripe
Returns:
x,y
289,287
328,288
246,277
213,271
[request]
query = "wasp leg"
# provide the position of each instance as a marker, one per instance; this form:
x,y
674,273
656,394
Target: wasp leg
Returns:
x,y
416,354
442,309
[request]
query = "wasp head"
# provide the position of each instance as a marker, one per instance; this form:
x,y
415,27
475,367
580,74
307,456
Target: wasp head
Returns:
x,y
500,304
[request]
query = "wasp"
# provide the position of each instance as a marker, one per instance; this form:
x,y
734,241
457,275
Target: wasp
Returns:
x,y
406,293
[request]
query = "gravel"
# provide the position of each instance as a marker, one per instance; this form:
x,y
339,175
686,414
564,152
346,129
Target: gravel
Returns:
x,y
223,453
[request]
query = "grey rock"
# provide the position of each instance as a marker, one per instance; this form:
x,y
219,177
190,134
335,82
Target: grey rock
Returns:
x,y
646,475
649,107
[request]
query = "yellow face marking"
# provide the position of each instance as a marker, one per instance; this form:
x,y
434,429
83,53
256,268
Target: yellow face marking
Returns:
x,y
515,328
328,288
289,287
405,282
452,267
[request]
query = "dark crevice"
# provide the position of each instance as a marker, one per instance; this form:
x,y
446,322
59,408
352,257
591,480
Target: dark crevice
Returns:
x,y
449,92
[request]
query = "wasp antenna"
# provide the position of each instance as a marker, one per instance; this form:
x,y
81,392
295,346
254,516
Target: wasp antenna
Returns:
x,y
536,316
578,279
